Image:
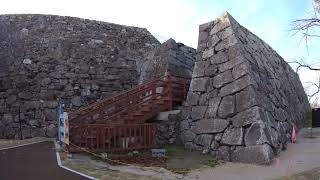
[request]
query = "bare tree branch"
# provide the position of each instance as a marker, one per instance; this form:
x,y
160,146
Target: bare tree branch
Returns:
x,y
317,89
309,29
304,65
307,26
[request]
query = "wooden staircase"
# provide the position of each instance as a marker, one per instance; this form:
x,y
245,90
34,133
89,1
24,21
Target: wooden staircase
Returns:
x,y
119,123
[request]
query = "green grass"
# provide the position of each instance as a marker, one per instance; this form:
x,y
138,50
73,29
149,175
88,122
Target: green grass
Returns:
x,y
212,162
173,150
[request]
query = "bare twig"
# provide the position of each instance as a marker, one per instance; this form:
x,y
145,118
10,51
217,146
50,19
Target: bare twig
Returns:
x,y
307,26
304,65
317,89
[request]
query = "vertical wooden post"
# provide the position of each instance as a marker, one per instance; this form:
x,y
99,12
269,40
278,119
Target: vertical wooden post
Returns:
x,y
153,135
103,136
169,84
109,137
154,92
131,101
114,138
98,137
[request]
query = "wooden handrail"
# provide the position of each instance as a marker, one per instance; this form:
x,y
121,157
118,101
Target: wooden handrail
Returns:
x,y
123,104
118,123
122,98
114,96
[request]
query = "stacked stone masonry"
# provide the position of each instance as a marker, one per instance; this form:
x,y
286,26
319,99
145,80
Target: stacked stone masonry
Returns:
x,y
174,57
243,99
45,59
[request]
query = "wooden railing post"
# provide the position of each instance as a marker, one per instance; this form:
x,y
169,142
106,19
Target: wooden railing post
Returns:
x,y
131,101
153,97
169,85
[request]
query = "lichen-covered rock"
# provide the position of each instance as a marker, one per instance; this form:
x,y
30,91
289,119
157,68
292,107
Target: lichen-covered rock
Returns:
x,y
252,97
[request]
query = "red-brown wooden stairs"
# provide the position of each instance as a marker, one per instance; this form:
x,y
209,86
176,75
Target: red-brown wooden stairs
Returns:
x,y
119,123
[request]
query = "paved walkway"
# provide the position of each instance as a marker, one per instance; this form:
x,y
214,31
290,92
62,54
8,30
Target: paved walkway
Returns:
x,y
298,158
36,161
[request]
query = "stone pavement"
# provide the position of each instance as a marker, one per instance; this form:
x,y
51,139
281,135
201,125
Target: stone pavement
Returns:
x,y
35,161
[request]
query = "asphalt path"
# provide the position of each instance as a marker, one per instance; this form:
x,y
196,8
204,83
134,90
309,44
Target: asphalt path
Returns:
x,y
35,161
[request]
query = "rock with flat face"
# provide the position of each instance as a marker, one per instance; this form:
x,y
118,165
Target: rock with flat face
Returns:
x,y
259,154
233,136
227,106
209,126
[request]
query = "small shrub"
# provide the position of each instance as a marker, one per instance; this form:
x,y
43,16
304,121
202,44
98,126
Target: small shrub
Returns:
x,y
212,162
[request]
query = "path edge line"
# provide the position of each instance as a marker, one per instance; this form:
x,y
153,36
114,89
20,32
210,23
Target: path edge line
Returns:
x,y
69,169
12,147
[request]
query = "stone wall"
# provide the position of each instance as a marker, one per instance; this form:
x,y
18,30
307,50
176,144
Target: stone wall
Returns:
x,y
170,56
44,59
167,125
243,96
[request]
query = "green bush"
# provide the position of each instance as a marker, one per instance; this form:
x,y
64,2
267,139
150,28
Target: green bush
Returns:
x,y
212,162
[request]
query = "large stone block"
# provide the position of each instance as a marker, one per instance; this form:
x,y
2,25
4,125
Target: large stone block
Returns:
x,y
261,154
233,136
246,99
199,84
209,126
257,134
213,107
203,140
247,117
227,107
198,112
219,58
199,68
192,98
236,85
187,136
222,79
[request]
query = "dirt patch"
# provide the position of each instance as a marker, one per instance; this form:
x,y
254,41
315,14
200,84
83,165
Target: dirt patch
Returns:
x,y
176,165
178,159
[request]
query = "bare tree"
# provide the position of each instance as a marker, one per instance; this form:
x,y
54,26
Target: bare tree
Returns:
x,y
301,64
309,28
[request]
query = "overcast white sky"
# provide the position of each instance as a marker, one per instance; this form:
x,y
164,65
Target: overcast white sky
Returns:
x,y
179,19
